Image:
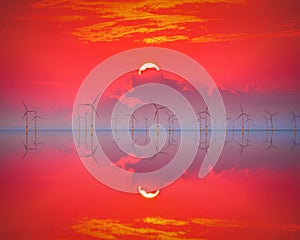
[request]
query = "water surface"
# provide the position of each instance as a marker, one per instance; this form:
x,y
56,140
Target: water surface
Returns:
x,y
252,192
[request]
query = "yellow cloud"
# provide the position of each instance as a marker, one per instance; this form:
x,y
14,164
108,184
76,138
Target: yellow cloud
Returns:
x,y
219,37
148,21
113,229
163,39
118,20
207,222
108,32
164,221
158,4
159,228
243,36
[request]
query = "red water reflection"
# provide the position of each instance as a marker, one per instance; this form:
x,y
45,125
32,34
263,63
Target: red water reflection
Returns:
x,y
50,195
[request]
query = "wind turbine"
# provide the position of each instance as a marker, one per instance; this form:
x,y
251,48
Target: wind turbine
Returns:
x,y
157,115
206,113
92,155
271,118
295,120
85,121
116,119
146,123
267,123
242,145
170,116
78,121
295,144
173,119
36,116
199,120
228,119
133,118
248,120
26,117
93,111
271,144
157,152
204,145
242,115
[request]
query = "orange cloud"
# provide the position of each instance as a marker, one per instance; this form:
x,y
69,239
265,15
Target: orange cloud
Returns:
x,y
216,222
159,228
164,221
244,36
150,21
113,229
163,39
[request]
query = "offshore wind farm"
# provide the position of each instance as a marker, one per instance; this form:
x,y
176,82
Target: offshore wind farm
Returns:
x,y
148,119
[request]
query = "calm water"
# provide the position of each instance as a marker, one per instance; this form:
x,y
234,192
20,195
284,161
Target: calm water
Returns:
x,y
252,192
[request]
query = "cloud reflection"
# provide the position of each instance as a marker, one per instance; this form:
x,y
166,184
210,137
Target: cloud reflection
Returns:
x,y
167,228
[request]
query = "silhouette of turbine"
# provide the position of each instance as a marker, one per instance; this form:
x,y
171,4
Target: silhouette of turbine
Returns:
x,y
93,111
271,118
156,115
27,111
242,115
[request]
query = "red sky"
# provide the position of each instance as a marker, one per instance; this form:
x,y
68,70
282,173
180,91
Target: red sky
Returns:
x,y
48,47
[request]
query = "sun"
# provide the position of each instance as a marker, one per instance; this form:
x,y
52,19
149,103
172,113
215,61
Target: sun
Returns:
x,y
147,66
146,194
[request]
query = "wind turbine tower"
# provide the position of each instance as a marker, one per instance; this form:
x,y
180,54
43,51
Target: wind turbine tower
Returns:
x,y
294,119
156,116
93,111
267,123
206,113
133,118
27,111
242,116
146,123
36,116
271,119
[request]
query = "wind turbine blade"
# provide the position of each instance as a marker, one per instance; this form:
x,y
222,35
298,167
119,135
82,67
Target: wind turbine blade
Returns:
x,y
95,111
167,113
239,143
24,145
275,147
156,147
133,116
238,117
92,154
24,114
268,112
25,106
96,98
275,113
155,114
